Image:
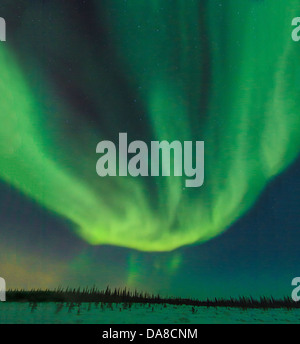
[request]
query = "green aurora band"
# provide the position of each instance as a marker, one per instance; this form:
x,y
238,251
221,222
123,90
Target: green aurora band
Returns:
x,y
223,74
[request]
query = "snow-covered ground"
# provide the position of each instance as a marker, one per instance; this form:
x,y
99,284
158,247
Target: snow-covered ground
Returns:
x,y
47,313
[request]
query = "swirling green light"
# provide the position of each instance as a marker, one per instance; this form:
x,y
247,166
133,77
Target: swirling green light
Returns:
x,y
223,74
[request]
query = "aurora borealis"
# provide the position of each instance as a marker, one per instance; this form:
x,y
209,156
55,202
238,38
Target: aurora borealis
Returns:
x,y
223,72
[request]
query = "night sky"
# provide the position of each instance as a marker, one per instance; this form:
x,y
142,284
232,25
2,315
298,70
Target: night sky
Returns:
x,y
75,73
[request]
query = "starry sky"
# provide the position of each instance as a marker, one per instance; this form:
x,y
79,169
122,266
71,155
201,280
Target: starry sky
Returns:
x,y
75,73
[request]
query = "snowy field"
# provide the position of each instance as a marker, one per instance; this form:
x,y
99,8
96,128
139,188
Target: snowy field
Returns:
x,y
91,313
